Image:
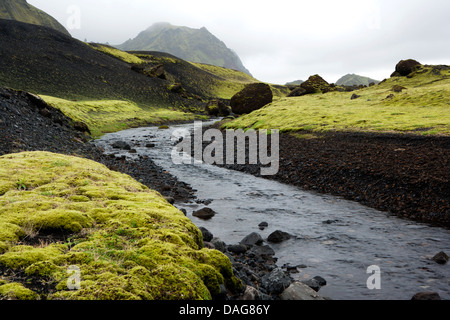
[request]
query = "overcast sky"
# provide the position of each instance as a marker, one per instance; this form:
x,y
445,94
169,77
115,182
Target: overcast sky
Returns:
x,y
281,40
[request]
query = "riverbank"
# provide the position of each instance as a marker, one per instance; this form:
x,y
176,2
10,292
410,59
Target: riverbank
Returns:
x,y
404,174
26,125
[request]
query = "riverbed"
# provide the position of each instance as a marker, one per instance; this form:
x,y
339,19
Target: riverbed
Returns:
x,y
331,237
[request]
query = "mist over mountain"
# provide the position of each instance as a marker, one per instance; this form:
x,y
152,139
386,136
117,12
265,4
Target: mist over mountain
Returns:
x,y
355,80
195,45
20,10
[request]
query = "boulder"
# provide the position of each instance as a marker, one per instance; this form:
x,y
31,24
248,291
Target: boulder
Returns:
x,y
278,236
316,283
405,67
205,213
217,108
355,96
276,282
441,258
298,291
253,97
252,240
316,84
297,92
207,235
263,225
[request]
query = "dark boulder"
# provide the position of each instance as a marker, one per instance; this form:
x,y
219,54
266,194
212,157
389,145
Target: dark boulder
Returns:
x,y
205,213
297,92
355,96
316,84
252,240
278,236
405,67
441,258
237,248
207,235
276,281
316,283
253,97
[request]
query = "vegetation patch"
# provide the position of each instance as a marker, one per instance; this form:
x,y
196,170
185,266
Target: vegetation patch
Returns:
x,y
127,241
103,116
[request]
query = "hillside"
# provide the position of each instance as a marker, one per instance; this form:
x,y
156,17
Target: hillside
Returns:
x,y
20,10
417,103
194,45
355,80
99,89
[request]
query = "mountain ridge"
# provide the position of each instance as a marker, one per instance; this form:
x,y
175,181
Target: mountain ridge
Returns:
x,y
194,45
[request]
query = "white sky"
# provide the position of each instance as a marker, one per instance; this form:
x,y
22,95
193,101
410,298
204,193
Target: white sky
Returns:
x,y
282,40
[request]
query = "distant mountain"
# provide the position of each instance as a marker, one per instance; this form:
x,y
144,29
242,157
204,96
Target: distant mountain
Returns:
x,y
194,45
20,10
355,80
295,83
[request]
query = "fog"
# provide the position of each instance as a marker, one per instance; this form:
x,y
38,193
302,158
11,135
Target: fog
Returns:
x,y
284,40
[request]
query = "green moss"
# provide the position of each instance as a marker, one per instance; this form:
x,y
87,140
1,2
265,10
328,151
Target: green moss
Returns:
x,y
127,240
16,291
20,257
103,116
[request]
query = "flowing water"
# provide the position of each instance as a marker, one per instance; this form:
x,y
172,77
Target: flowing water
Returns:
x,y
332,237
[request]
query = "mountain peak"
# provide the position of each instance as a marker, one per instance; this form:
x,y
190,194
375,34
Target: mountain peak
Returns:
x,y
194,45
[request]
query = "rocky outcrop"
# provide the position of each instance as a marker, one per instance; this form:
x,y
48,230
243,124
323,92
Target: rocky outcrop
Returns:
x,y
253,97
405,67
315,84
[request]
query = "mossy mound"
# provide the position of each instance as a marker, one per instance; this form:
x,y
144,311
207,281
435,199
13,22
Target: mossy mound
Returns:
x,y
128,242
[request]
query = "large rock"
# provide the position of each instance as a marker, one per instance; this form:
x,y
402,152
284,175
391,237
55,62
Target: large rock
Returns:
x,y
276,282
298,291
316,84
441,258
205,213
253,97
278,236
252,239
405,67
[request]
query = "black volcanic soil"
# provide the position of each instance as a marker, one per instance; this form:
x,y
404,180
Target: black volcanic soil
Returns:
x,y
404,174
29,124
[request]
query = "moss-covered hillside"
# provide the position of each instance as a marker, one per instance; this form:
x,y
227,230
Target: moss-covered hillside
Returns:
x,y
418,103
127,241
20,10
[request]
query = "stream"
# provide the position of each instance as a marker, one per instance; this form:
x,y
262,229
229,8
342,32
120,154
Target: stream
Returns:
x,y
332,237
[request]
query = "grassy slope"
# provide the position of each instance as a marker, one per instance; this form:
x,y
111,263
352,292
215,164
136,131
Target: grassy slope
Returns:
x,y
423,107
128,241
